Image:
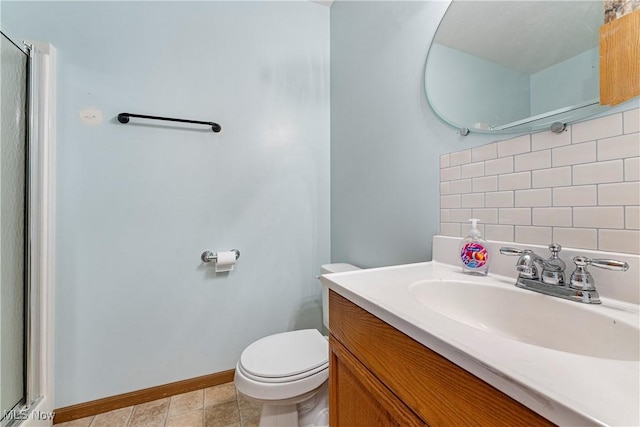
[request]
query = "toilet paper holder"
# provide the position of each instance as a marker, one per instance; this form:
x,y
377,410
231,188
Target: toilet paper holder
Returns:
x,y
208,256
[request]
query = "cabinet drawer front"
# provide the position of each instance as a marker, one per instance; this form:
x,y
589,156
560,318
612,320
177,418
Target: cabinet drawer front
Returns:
x,y
440,392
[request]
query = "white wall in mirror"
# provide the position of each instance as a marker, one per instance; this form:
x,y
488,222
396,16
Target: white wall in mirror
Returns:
x,y
453,93
551,89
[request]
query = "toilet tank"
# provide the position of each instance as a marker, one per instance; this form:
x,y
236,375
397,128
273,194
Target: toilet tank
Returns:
x,y
326,269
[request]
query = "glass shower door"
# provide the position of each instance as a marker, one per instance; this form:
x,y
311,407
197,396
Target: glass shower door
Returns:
x,y
13,172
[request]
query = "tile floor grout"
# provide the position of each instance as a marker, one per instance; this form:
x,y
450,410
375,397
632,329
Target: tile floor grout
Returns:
x,y
219,406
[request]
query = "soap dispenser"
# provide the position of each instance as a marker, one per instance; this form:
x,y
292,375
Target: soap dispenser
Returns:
x,y
474,254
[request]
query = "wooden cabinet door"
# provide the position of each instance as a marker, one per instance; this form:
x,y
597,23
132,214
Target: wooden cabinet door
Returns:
x,y
358,398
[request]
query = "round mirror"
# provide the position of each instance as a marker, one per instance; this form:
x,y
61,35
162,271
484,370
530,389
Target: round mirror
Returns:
x,y
515,66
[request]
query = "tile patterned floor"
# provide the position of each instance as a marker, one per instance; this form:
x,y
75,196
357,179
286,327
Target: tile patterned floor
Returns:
x,y
219,406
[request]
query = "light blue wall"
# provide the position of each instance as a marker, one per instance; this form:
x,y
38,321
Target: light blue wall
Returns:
x,y
551,89
460,82
138,204
385,140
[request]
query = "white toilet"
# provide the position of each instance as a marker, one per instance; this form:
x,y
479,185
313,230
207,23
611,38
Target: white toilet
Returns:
x,y
288,372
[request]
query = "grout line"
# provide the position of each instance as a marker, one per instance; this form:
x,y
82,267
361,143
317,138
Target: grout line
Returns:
x,y
166,414
133,409
166,417
204,411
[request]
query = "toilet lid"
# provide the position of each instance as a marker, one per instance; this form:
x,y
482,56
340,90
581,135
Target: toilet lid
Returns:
x,y
286,354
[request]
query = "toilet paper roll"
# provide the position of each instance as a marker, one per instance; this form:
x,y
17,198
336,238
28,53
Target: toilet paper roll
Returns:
x,y
225,261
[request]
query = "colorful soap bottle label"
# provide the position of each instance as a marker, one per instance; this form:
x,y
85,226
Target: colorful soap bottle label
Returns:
x,y
474,255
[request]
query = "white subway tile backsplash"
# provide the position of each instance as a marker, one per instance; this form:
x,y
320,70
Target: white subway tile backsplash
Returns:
x,y
554,177
619,241
475,200
602,127
486,183
619,147
585,195
533,160
514,181
444,161
625,193
450,229
499,232
548,139
580,188
534,235
485,152
632,169
460,158
599,172
487,216
632,217
498,166
461,215
631,120
450,201
574,154
449,174
514,216
586,238
460,186
556,217
518,145
500,199
599,217
530,198
472,170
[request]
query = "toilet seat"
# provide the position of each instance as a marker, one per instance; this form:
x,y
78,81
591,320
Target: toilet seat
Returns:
x,y
283,366
286,354
287,379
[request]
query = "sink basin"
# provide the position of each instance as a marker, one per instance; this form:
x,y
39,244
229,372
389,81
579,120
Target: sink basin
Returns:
x,y
532,318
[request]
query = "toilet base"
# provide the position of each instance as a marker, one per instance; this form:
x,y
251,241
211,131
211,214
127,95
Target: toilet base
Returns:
x,y
313,412
279,416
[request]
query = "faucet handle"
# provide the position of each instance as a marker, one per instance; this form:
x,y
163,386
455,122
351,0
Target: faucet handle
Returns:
x,y
506,250
582,279
607,264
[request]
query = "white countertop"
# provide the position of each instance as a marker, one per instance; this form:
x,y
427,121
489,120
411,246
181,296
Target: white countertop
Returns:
x,y
566,388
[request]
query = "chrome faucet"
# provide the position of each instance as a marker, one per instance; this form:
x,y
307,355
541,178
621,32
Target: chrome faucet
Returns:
x,y
547,275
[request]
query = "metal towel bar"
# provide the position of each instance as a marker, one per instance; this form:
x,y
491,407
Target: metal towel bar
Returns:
x,y
124,118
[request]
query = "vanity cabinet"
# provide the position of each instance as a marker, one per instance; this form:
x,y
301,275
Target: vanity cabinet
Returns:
x,y
378,376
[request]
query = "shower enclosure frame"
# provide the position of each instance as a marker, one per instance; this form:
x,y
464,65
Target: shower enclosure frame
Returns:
x,y
40,320
38,407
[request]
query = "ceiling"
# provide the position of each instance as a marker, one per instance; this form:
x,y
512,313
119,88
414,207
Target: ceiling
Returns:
x,y
527,36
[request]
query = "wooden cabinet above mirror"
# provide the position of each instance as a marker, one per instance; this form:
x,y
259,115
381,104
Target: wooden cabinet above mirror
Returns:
x,y
620,59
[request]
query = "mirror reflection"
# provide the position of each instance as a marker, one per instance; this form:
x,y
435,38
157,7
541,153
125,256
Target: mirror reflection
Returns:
x,y
515,66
